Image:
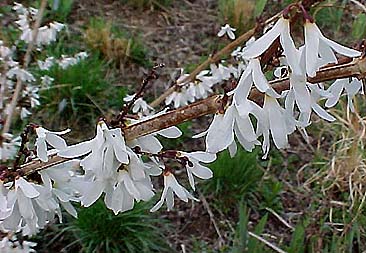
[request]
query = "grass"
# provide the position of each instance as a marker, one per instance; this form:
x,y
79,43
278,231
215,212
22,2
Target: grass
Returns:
x,y
115,44
57,10
237,13
75,99
304,237
242,177
99,230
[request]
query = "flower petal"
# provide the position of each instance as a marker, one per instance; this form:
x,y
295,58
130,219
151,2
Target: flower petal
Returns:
x,y
26,187
170,132
203,156
77,150
257,48
311,48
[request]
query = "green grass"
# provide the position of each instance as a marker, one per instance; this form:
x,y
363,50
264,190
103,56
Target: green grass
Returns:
x,y
98,230
241,177
80,92
57,10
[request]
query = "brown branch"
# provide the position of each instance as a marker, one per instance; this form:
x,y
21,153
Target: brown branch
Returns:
x,y
356,68
27,58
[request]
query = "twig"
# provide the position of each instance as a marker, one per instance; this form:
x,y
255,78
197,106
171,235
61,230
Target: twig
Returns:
x,y
280,218
27,57
212,218
210,105
153,75
269,244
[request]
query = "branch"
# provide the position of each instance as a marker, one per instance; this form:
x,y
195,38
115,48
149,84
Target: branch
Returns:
x,y
210,105
27,58
226,50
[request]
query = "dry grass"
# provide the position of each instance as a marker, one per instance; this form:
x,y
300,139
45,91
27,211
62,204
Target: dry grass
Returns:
x,y
102,39
345,171
238,13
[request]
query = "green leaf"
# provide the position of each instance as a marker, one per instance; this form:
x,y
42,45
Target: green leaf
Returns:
x,y
253,244
297,241
241,239
259,7
359,26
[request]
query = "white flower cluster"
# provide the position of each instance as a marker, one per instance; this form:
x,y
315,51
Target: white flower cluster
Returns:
x,y
64,62
202,86
103,165
140,105
27,16
12,245
299,101
12,71
27,206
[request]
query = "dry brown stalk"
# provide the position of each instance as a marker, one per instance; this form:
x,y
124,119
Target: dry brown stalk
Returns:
x,y
356,68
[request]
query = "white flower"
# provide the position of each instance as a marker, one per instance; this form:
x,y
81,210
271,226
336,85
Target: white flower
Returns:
x,y
171,186
32,93
122,184
3,199
22,74
46,64
257,77
57,26
20,207
9,146
149,143
317,93
126,191
350,86
107,145
140,104
195,168
180,98
31,206
220,72
24,113
81,56
45,136
12,245
275,121
63,177
317,44
227,29
46,81
280,29
220,134
199,90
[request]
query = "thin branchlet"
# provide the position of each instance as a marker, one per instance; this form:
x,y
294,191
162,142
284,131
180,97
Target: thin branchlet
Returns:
x,y
119,120
166,156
